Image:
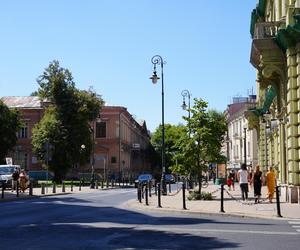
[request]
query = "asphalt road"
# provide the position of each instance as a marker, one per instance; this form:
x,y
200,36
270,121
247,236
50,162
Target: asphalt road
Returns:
x,y
101,220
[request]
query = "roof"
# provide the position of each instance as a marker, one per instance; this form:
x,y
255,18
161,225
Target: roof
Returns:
x,y
22,101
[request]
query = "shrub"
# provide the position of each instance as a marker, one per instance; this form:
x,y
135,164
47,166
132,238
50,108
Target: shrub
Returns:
x,y
194,195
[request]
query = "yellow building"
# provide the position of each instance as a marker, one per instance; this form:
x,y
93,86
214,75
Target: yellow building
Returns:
x,y
275,53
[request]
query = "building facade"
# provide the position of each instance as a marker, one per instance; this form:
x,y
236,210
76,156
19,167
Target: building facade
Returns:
x,y
275,53
241,141
120,142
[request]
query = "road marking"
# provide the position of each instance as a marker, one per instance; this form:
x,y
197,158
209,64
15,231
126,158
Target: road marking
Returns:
x,y
178,229
294,222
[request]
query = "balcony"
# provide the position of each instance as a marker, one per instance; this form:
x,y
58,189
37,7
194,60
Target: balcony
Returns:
x,y
264,42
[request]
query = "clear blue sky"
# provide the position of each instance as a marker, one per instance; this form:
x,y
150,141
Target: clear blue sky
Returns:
x,y
108,44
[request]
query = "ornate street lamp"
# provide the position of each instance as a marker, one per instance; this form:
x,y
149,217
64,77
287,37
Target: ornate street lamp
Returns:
x,y
157,59
185,93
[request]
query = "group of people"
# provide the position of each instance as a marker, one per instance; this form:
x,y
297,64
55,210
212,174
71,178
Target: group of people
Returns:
x,y
255,178
20,177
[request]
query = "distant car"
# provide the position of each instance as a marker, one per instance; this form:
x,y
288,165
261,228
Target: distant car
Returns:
x,y
143,179
6,172
170,178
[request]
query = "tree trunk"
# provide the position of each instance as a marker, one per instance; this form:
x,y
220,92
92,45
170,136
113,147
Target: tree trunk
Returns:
x,y
200,181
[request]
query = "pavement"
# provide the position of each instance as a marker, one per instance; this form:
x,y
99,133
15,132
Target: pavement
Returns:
x,y
233,204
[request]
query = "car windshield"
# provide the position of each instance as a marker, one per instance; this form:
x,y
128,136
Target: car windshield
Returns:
x,y
6,170
144,177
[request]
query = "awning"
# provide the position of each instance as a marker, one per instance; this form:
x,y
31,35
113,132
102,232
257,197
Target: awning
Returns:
x,y
269,97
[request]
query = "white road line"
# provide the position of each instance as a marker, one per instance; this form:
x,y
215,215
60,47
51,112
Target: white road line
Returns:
x,y
178,229
294,222
296,226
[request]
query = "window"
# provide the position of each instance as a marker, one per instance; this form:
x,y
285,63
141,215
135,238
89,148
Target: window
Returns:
x,y
23,132
100,129
113,159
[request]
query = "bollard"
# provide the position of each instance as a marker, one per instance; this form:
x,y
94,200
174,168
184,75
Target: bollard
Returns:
x,y
278,202
146,195
18,187
107,183
71,185
79,185
222,199
96,184
30,189
102,184
3,188
53,188
42,188
155,188
183,196
63,188
139,194
170,188
150,187
159,195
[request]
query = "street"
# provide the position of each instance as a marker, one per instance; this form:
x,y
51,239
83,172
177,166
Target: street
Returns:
x,y
101,220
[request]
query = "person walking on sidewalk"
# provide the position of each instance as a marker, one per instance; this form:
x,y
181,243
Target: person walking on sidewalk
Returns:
x,y
243,181
15,178
271,183
257,181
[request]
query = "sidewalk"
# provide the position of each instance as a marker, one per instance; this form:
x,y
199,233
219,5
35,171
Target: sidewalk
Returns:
x,y
233,205
36,192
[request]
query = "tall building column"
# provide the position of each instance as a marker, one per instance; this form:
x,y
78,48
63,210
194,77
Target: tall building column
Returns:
x,y
293,60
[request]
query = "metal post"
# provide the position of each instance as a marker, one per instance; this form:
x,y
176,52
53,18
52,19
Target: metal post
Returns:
x,y
96,184
79,185
183,196
54,188
146,194
157,59
278,202
63,189
159,194
170,188
150,187
139,195
43,188
155,188
222,199
245,146
71,185
2,192
102,184
18,187
30,189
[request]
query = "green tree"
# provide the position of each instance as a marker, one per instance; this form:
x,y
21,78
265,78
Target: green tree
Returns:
x,y
9,126
172,134
67,123
207,129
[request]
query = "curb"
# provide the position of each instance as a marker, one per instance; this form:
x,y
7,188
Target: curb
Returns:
x,y
138,206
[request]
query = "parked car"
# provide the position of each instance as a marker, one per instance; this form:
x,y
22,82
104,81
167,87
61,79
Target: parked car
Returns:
x,y
169,178
6,172
143,179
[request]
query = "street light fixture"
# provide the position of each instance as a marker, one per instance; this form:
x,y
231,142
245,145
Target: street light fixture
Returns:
x,y
157,59
185,93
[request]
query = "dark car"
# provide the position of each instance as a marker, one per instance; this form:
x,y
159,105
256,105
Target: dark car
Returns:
x,y
143,179
169,178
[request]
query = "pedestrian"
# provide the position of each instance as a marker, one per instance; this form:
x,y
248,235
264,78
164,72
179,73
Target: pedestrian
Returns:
x,y
243,181
15,178
257,181
271,183
23,180
232,177
229,182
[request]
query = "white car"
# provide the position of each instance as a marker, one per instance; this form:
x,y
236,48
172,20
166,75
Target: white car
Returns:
x,y
6,172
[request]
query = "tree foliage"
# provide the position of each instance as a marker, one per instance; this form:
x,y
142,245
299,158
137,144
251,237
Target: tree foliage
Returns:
x,y
9,126
66,125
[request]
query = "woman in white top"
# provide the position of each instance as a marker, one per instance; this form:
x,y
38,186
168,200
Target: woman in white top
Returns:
x,y
243,181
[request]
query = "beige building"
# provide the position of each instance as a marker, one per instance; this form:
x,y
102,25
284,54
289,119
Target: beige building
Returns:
x,y
275,53
241,142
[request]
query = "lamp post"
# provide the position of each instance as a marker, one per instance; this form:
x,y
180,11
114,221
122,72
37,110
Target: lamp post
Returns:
x,y
245,145
157,59
185,93
92,185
